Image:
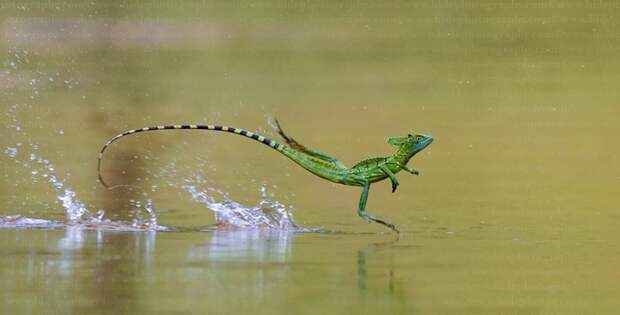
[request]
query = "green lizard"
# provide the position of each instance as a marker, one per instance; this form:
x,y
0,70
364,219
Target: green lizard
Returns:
x,y
363,174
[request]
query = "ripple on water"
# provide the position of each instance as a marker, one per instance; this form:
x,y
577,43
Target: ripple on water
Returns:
x,y
21,222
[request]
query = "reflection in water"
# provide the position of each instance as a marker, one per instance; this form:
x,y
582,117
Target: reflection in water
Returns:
x,y
76,270
261,245
389,290
361,272
254,260
120,257
74,240
77,236
361,263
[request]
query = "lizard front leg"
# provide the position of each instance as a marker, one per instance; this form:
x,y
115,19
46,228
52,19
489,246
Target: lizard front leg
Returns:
x,y
391,175
410,170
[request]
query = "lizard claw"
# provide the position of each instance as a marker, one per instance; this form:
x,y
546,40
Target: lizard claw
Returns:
x,y
370,218
394,188
388,225
393,228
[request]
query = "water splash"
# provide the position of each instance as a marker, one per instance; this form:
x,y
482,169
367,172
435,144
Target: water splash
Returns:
x,y
77,212
139,221
266,214
43,169
11,152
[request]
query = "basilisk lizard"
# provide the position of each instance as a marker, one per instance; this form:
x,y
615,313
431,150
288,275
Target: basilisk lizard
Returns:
x,y
363,174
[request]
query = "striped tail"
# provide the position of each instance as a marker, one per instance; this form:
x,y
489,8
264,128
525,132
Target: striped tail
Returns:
x,y
249,134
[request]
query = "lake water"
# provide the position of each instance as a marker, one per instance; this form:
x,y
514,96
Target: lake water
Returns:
x,y
515,211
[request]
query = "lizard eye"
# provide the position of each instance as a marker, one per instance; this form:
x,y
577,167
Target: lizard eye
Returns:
x,y
418,138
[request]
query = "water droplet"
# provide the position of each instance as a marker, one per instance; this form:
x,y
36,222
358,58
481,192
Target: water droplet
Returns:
x,y
12,152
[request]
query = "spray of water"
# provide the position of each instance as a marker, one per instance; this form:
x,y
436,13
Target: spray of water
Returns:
x,y
77,212
266,213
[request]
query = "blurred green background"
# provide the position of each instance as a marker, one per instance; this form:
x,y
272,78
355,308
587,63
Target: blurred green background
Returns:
x,y
517,198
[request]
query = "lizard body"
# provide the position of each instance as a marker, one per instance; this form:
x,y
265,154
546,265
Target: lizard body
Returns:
x,y
363,174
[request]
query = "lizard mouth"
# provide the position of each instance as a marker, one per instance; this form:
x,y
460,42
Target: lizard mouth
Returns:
x,y
422,144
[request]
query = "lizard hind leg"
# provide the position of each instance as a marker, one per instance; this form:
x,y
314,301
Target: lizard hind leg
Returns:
x,y
290,141
301,148
361,210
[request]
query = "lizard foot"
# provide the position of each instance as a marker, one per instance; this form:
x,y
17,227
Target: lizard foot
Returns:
x,y
391,226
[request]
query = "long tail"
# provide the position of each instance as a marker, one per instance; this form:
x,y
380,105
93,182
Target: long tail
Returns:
x,y
249,134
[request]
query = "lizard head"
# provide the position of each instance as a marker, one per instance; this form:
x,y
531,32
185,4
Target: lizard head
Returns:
x,y
413,143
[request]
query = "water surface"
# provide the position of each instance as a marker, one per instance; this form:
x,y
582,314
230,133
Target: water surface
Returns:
x,y
515,211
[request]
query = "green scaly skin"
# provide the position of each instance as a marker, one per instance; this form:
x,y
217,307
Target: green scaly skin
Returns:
x,y
363,174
